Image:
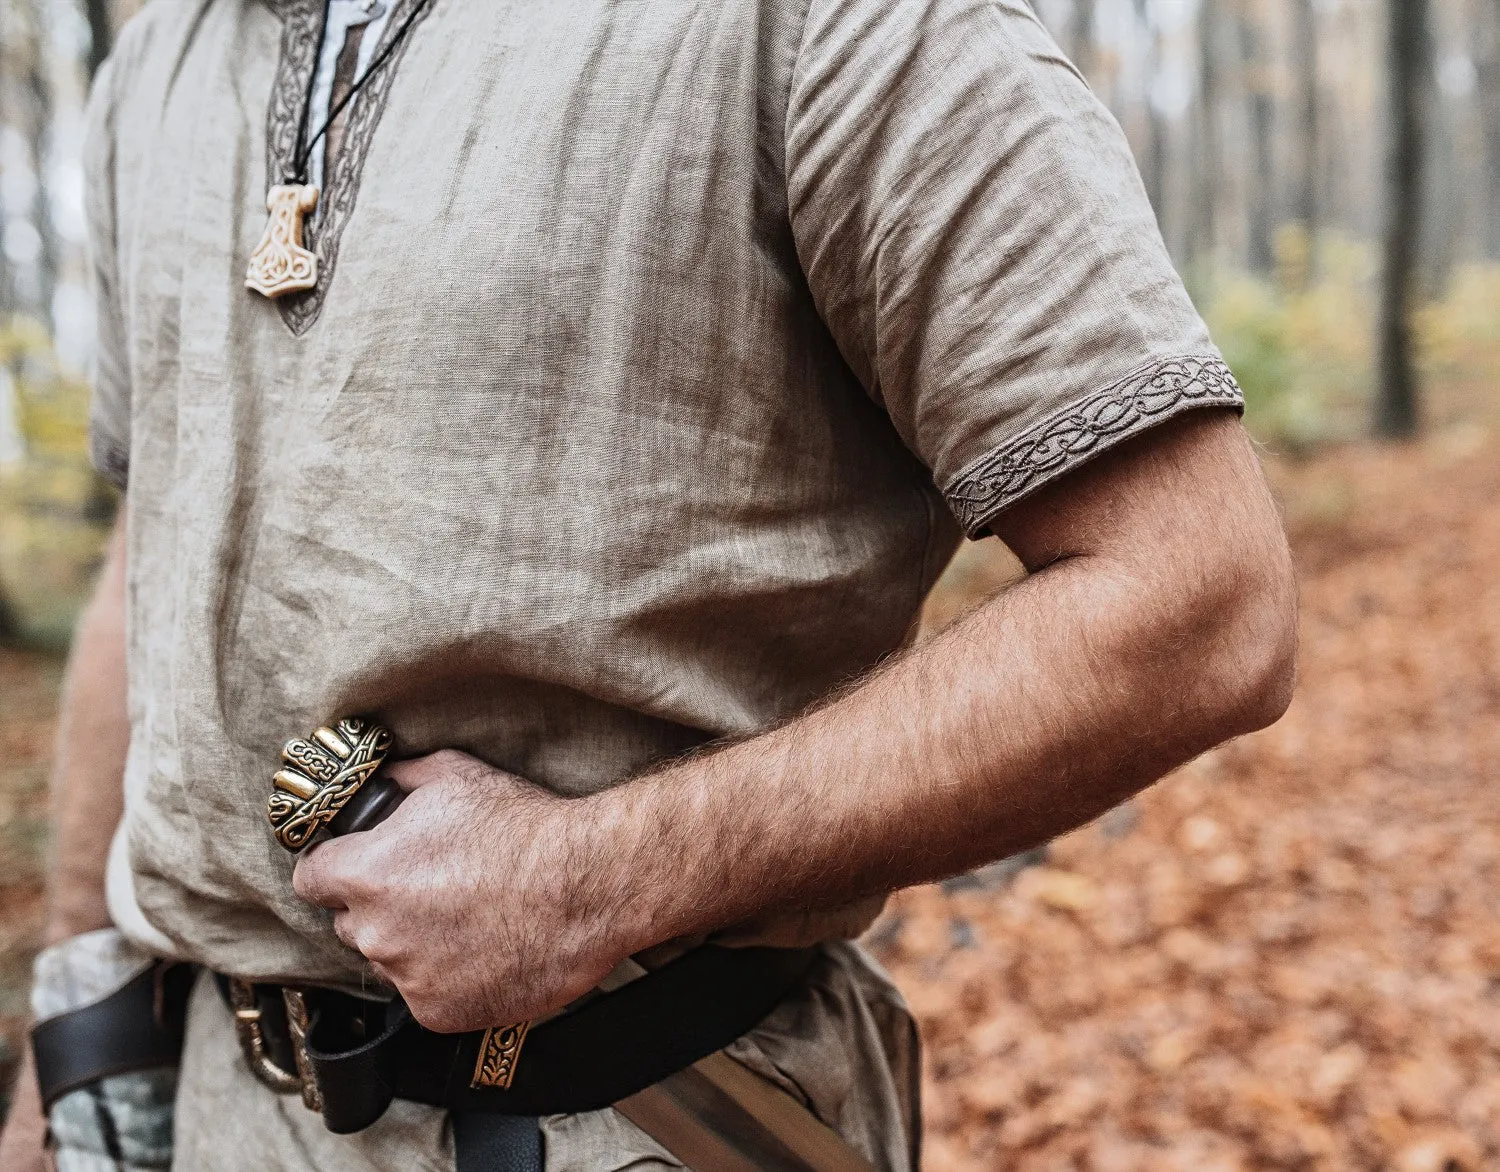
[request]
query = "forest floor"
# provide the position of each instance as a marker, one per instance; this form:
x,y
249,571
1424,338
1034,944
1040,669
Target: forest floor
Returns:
x,y
1286,956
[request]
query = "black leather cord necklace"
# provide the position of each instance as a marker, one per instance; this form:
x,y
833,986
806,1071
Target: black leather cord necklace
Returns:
x,y
281,264
303,154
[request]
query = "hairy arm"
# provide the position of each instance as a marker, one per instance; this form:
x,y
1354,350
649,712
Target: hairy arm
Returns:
x,y
89,770
87,800
1158,620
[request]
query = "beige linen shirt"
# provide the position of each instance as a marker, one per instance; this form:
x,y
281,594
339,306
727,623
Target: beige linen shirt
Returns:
x,y
660,353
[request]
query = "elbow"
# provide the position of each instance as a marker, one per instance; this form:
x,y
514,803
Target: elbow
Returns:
x,y
1254,644
1271,677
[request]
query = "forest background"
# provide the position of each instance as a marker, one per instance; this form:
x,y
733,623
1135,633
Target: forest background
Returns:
x,y
1286,956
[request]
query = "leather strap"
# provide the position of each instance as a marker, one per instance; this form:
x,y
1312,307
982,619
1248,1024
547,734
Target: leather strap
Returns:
x,y
497,1143
716,1116
138,1027
584,1060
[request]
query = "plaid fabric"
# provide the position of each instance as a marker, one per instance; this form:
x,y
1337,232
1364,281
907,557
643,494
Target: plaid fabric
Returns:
x,y
124,1122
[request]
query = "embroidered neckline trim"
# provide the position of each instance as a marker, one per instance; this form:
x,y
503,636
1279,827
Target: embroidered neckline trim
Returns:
x,y
301,25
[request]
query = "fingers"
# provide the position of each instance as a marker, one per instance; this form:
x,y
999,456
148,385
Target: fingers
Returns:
x,y
323,874
344,929
442,765
330,876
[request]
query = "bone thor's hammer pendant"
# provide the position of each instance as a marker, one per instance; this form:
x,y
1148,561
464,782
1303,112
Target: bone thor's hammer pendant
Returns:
x,y
280,264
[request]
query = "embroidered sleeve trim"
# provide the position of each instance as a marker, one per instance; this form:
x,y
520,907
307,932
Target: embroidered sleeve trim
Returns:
x,y
1063,441
110,460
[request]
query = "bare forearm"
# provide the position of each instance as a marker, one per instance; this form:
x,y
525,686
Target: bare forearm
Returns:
x,y
1086,682
88,772
87,798
23,1139
1157,621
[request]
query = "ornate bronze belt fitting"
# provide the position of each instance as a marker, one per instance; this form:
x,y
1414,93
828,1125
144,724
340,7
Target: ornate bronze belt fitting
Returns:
x,y
250,1031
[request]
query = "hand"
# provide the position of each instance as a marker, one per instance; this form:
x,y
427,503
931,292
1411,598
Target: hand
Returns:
x,y
484,899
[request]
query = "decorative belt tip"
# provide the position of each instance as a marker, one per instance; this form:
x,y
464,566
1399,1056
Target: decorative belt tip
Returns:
x,y
499,1052
319,776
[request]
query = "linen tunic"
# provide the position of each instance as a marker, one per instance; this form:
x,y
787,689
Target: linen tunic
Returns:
x,y
659,355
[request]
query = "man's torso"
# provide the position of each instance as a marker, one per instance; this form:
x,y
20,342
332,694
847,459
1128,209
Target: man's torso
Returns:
x,y
558,465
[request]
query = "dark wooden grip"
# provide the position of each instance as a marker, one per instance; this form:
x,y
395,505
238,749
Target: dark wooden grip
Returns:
x,y
372,805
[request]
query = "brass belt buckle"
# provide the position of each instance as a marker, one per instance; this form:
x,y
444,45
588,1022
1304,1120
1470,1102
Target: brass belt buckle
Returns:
x,y
252,1038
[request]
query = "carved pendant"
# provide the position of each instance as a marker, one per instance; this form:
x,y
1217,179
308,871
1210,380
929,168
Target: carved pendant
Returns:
x,y
280,264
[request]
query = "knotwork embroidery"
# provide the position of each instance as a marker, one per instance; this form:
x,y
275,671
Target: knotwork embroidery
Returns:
x,y
286,134
1064,440
280,263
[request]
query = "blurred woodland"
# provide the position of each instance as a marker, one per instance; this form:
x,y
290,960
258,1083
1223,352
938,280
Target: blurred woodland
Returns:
x,y
1285,956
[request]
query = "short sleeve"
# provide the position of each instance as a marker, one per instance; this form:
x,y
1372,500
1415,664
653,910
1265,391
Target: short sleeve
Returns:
x,y
977,238
109,414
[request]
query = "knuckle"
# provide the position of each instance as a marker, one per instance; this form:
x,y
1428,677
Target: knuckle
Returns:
x,y
355,877
312,880
433,1013
433,1002
344,930
364,885
461,767
303,881
446,760
416,989
376,946
383,973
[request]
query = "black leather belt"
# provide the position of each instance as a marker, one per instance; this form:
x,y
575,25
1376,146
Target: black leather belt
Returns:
x,y
356,1056
363,1054
138,1027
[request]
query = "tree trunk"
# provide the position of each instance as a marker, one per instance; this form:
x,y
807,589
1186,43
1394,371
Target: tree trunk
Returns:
x,y
27,115
1487,95
1408,56
1209,161
101,32
1442,191
1154,166
1082,37
42,121
1256,67
1305,51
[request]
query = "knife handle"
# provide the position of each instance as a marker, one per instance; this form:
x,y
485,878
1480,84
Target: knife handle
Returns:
x,y
376,800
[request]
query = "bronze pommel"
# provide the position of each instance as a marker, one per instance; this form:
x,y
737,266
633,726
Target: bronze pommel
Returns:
x,y
320,774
